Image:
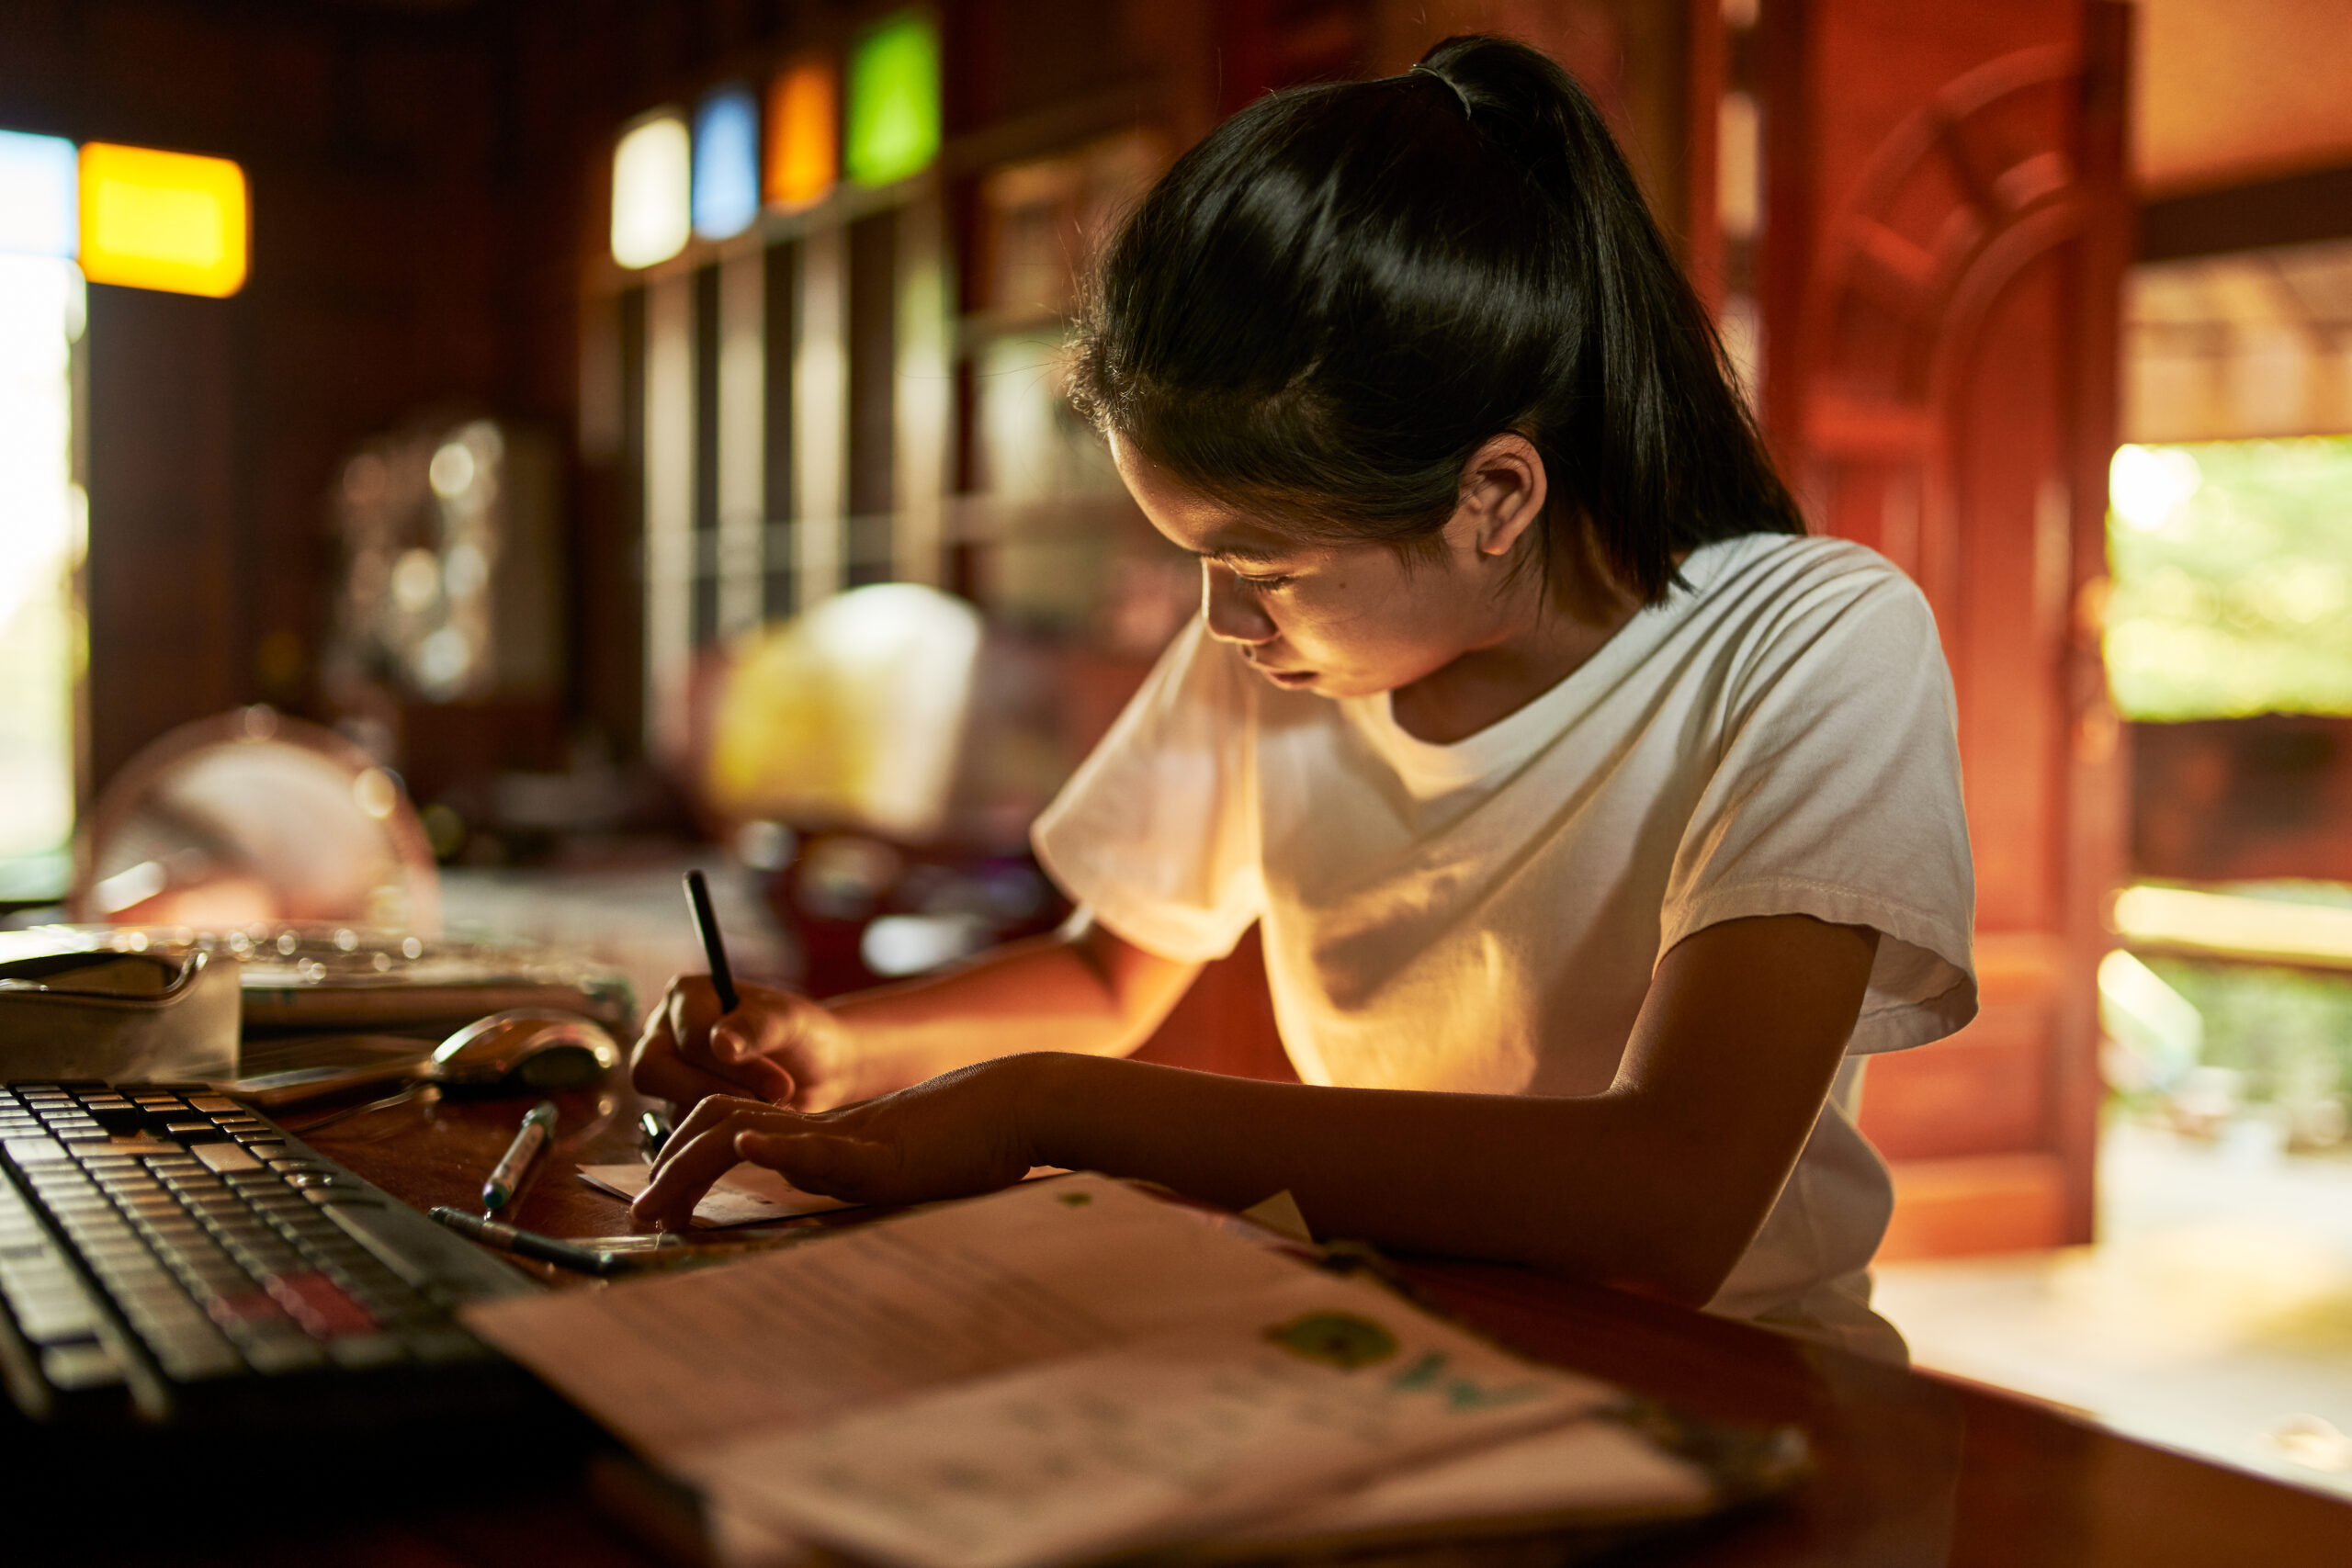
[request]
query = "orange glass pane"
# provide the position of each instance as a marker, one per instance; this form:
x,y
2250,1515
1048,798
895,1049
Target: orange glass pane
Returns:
x,y
168,220
804,135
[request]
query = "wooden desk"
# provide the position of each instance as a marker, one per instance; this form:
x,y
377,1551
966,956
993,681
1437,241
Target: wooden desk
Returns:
x,y
1912,1469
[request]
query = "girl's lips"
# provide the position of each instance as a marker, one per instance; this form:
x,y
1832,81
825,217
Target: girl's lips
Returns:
x,y
1287,677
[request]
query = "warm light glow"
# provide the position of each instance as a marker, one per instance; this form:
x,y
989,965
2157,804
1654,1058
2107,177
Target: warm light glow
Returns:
x,y
167,220
2234,925
652,186
727,163
894,100
804,141
43,526
40,212
2148,484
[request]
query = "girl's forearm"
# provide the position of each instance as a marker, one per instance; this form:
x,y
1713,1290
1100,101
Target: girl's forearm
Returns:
x,y
1081,992
1591,1187
1660,1182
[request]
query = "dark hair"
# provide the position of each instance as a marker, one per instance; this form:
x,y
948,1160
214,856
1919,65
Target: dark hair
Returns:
x,y
1324,309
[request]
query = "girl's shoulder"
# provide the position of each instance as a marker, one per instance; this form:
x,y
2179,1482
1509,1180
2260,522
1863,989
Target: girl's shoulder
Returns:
x,y
1767,610
1792,562
1799,581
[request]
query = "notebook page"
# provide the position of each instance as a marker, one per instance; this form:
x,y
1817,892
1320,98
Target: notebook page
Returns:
x,y
1261,1400
679,1364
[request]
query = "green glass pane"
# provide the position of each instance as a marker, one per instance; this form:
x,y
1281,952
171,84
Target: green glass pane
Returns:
x,y
2232,579
893,100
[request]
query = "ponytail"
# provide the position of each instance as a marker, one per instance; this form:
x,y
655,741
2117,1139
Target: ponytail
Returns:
x,y
1324,309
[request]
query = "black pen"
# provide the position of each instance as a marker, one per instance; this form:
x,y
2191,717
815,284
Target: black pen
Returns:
x,y
722,979
530,1243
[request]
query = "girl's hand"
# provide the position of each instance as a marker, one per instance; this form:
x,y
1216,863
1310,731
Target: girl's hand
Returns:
x,y
777,1045
950,1137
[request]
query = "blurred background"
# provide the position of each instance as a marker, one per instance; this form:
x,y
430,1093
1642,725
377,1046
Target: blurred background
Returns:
x,y
602,437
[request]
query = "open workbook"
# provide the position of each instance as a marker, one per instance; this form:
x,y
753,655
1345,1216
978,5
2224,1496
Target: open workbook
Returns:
x,y
1074,1369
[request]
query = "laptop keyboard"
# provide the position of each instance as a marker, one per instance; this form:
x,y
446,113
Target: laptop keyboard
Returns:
x,y
160,1246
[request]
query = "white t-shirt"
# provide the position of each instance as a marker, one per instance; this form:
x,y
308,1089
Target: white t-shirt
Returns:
x,y
1484,916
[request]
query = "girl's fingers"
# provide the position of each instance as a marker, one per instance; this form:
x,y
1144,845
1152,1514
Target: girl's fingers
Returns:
x,y
685,1174
850,1168
708,1114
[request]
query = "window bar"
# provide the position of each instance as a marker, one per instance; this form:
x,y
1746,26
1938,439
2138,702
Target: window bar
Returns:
x,y
820,427
669,510
743,418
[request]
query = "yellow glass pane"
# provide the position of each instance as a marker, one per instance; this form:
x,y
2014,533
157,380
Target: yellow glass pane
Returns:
x,y
804,151
167,220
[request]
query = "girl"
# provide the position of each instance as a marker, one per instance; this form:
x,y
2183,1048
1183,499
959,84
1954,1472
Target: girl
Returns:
x,y
1598,822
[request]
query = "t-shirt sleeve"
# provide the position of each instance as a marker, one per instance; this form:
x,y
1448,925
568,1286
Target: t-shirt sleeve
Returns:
x,y
1156,834
1837,794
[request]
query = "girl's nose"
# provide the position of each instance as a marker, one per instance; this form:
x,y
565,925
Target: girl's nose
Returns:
x,y
1233,612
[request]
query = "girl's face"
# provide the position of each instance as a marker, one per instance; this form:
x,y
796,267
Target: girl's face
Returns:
x,y
1348,620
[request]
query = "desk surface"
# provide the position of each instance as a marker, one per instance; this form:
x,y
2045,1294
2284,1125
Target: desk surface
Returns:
x,y
1913,1469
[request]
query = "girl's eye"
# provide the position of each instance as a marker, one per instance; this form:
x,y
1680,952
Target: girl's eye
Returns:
x,y
1266,584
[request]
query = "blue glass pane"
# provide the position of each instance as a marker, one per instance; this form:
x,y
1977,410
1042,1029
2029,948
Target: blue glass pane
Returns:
x,y
39,196
726,162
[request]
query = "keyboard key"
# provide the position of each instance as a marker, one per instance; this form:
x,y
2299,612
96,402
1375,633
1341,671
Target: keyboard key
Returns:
x,y
86,1365
194,1359
276,1354
55,1317
319,1306
222,1158
356,1350
441,1345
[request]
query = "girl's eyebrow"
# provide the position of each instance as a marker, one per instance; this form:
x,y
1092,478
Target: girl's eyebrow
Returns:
x,y
1241,555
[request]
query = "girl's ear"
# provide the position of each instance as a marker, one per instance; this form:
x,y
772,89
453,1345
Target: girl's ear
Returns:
x,y
1503,490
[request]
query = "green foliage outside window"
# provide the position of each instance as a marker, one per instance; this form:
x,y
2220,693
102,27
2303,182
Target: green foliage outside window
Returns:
x,y
2232,579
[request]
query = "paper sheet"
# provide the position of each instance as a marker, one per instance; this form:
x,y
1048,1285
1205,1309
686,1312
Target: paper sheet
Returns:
x,y
1285,1392
744,1196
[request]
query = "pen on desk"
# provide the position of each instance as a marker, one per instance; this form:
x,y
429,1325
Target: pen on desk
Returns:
x,y
530,1243
722,979
538,1127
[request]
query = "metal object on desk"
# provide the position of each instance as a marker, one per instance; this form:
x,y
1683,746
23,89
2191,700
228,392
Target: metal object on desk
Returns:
x,y
653,1130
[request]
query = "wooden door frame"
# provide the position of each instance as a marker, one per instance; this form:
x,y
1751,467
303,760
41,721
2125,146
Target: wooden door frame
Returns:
x,y
1896,445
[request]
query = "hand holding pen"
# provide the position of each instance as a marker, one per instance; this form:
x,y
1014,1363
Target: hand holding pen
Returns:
x,y
713,1036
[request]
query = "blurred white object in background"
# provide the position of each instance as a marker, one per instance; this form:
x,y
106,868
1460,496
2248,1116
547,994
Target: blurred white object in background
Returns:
x,y
249,818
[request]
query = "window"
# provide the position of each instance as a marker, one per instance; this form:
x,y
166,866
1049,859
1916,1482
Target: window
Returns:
x,y
2232,579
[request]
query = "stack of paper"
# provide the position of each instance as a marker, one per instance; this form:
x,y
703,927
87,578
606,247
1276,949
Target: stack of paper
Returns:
x,y
1069,1370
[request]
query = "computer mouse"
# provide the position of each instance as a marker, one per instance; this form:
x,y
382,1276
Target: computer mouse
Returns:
x,y
537,1048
